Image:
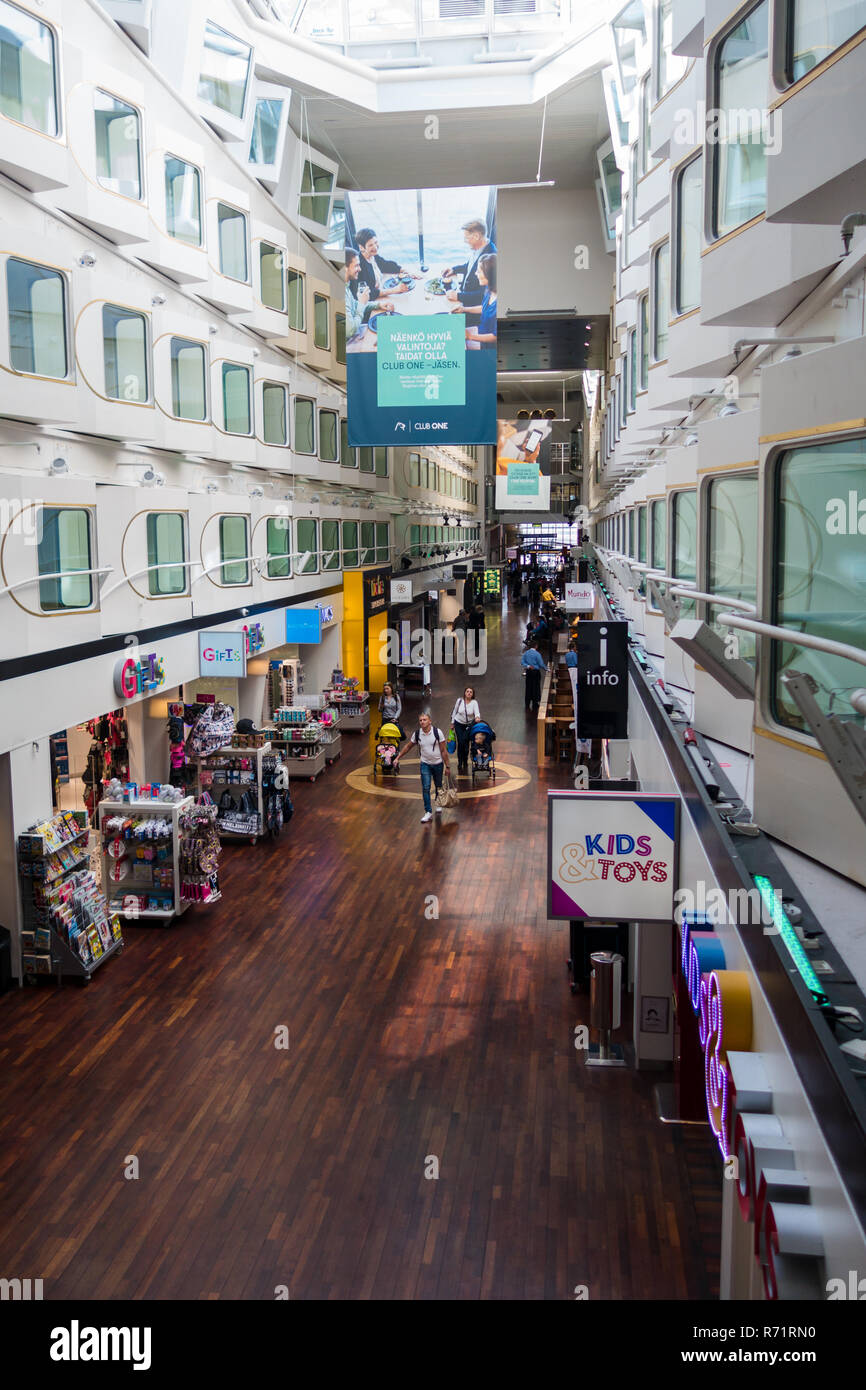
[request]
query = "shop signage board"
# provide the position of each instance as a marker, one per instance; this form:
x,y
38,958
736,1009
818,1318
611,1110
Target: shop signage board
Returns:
x,y
327,612
303,625
375,595
401,590
579,598
255,637
222,653
602,680
612,856
416,372
138,675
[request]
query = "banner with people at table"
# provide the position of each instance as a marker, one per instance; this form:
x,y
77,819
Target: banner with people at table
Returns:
x,y
520,483
421,275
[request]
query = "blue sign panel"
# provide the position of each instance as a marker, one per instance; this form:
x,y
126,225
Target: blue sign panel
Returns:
x,y
303,625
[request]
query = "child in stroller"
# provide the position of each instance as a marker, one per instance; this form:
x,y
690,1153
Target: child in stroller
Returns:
x,y
481,738
388,741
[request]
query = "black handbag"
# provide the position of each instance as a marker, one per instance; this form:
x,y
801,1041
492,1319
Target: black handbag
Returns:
x,y
226,802
249,805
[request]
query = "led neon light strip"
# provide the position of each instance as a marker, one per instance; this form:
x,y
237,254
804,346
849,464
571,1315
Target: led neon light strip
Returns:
x,y
790,938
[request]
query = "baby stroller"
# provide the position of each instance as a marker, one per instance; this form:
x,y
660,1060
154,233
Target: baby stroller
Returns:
x,y
388,741
481,738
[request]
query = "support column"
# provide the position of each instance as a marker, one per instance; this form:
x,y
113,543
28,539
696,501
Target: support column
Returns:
x,y
25,798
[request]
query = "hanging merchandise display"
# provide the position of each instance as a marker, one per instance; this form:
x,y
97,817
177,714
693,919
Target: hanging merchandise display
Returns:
x,y
180,773
212,729
199,853
68,929
108,756
277,802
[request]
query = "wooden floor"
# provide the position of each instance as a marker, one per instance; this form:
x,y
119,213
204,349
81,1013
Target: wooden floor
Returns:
x,y
412,1039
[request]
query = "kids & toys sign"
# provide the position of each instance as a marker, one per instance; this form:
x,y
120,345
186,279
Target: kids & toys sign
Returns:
x,y
612,856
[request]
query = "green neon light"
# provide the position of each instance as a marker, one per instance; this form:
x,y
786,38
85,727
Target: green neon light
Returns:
x,y
773,904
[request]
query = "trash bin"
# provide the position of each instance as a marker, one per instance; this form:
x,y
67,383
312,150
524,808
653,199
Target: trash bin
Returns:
x,y
605,996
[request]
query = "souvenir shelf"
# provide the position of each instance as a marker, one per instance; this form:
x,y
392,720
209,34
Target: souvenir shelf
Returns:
x,y
352,705
221,772
308,745
151,888
68,927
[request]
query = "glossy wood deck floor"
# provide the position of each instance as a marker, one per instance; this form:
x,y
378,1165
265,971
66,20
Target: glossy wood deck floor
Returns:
x,y
412,1039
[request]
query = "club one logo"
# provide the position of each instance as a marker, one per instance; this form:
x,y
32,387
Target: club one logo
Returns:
x,y
604,676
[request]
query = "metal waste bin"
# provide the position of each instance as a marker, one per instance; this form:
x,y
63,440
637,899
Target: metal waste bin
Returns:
x,y
605,996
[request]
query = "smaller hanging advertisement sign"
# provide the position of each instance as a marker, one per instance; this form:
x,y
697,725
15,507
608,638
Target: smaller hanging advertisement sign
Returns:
x,y
579,598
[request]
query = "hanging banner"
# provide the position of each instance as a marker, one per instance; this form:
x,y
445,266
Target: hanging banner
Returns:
x,y
421,276
520,483
612,856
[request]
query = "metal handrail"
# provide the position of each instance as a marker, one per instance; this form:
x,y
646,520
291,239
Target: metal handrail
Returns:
x,y
740,605
234,560
137,574
670,579
797,639
61,574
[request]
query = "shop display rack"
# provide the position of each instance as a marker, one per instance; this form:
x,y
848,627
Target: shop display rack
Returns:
x,y
351,703
154,880
223,772
68,927
307,747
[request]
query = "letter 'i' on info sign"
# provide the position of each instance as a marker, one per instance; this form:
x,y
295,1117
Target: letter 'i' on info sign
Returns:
x,y
602,666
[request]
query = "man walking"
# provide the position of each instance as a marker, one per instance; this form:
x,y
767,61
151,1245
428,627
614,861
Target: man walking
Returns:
x,y
430,742
533,663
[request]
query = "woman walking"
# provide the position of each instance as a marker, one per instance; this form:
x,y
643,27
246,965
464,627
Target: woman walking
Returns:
x,y
391,706
463,715
434,759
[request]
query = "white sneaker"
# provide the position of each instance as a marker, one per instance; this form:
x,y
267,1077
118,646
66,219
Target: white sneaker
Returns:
x,y
438,810
427,816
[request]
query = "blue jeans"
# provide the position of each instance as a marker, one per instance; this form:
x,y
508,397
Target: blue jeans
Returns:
x,y
430,771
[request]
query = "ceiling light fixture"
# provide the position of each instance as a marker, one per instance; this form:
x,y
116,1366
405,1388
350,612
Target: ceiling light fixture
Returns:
x,y
531,183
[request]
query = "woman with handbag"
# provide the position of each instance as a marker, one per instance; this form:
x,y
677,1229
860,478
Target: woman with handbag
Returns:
x,y
430,742
463,715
